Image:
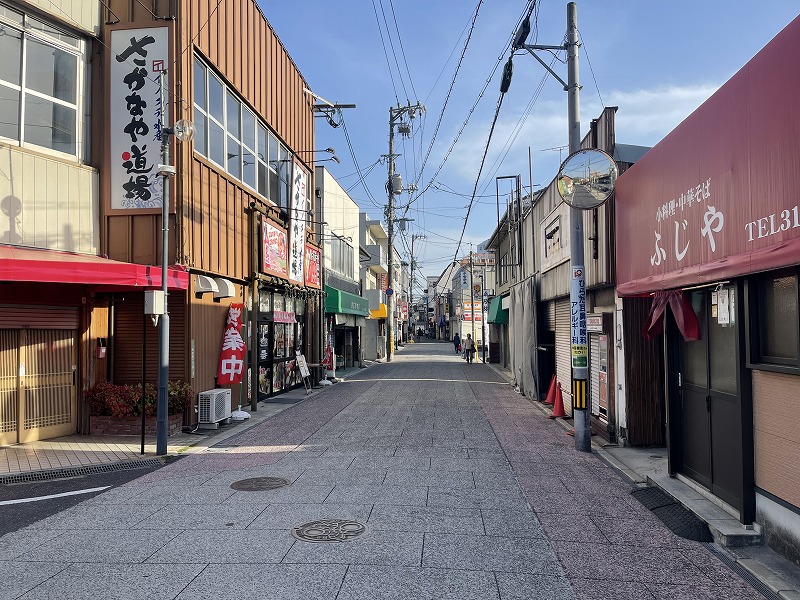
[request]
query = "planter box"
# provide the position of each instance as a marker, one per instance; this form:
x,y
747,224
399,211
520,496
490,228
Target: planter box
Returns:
x,y
132,425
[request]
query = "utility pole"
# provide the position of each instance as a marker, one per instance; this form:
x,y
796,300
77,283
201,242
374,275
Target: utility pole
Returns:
x,y
416,236
579,348
394,187
472,293
577,288
162,408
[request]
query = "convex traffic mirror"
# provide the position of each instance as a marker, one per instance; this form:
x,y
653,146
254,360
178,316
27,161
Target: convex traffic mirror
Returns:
x,y
586,178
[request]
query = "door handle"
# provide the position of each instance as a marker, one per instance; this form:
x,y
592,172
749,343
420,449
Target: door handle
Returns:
x,y
708,403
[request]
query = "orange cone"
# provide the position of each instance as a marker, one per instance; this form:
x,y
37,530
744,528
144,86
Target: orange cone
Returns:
x,y
551,392
558,407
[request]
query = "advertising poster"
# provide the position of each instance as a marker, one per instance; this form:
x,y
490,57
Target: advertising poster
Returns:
x,y
274,251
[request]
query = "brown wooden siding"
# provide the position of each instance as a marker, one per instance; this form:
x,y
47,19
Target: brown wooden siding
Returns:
x,y
207,324
644,373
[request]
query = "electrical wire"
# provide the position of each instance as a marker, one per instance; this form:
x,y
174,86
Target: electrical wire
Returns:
x,y
450,90
385,53
586,52
355,160
402,50
531,7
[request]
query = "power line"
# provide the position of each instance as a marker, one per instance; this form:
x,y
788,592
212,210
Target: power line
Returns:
x,y
586,53
402,50
385,53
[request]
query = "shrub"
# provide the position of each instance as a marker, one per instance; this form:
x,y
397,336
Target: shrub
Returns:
x,y
109,399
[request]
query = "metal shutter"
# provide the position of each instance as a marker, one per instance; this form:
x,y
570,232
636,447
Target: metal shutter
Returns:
x,y
129,327
564,352
39,317
594,370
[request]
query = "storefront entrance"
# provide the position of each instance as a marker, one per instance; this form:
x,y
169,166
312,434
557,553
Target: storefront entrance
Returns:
x,y
37,384
711,439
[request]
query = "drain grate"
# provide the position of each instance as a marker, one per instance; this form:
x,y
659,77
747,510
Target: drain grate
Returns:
x,y
78,471
754,582
676,517
329,530
260,484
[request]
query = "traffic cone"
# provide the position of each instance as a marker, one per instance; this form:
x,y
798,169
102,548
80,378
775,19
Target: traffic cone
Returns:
x,y
558,406
551,392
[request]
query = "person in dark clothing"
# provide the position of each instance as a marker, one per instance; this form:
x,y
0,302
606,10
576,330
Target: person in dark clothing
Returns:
x,y
456,342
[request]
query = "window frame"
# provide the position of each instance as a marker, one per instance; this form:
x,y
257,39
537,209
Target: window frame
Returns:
x,y
54,38
271,168
756,316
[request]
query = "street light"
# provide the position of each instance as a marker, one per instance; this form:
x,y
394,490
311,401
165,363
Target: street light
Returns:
x,y
183,131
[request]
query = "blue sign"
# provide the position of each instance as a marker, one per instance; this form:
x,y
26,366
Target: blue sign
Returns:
x,y
389,291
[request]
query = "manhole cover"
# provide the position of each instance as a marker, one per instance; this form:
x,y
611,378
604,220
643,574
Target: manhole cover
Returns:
x,y
329,530
259,484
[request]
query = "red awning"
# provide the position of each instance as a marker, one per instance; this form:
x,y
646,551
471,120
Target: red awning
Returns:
x,y
49,266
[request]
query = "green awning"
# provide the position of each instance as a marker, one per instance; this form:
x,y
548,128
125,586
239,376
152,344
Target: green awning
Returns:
x,y
345,303
497,314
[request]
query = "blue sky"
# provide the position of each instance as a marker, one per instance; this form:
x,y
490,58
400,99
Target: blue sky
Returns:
x,y
656,61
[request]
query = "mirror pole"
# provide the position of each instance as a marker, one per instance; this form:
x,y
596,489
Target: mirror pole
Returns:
x,y
577,293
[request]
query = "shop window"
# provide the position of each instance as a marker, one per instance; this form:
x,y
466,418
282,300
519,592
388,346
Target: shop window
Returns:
x,y
776,326
41,79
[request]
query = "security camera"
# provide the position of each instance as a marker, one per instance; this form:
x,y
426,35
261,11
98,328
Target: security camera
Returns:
x,y
252,204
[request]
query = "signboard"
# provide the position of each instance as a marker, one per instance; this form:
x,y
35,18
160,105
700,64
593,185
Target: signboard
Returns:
x,y
282,316
468,311
602,388
273,250
313,259
404,310
594,323
383,281
136,115
231,357
712,200
297,233
578,337
303,365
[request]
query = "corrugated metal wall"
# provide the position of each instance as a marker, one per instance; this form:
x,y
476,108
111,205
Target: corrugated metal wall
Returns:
x,y
564,352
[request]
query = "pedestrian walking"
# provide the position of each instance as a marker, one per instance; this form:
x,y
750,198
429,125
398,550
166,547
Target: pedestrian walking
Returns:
x,y
469,348
457,343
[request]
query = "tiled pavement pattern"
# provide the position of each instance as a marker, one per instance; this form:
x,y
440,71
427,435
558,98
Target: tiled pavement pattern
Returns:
x,y
467,492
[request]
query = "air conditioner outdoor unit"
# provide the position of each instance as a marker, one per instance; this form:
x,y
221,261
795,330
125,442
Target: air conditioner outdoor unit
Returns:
x,y
214,406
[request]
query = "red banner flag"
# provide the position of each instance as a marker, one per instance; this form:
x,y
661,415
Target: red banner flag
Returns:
x,y
231,357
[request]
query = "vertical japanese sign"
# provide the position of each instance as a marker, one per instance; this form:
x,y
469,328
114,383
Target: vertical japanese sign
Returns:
x,y
138,56
231,357
578,337
297,215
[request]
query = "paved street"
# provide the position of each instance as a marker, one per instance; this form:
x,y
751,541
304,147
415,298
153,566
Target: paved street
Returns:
x,y
465,489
